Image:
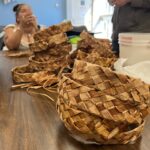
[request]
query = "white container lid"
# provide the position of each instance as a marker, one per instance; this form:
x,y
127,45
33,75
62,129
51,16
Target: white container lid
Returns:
x,y
147,43
134,37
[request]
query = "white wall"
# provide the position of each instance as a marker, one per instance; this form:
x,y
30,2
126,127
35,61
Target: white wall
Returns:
x,y
79,12
98,19
102,15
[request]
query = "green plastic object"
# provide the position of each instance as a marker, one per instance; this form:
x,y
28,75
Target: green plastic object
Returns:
x,y
74,40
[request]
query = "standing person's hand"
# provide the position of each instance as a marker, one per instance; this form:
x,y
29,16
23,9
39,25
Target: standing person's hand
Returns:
x,y
120,3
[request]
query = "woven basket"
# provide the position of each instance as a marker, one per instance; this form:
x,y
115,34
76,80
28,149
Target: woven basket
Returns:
x,y
89,43
131,91
60,49
44,78
88,128
95,58
53,30
38,46
52,59
23,74
50,65
110,107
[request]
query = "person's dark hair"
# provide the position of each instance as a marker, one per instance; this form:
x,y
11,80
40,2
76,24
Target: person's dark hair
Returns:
x,y
17,8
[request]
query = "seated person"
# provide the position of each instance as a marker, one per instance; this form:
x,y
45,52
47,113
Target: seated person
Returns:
x,y
19,35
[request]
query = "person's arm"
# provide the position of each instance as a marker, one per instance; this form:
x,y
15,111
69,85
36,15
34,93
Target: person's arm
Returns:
x,y
13,37
120,3
140,3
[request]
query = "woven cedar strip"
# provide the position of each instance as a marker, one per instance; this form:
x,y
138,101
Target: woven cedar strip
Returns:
x,y
94,129
104,106
52,59
56,51
40,45
24,73
81,55
60,49
50,41
88,47
95,58
41,78
105,80
134,91
57,39
88,43
46,59
123,91
52,30
51,65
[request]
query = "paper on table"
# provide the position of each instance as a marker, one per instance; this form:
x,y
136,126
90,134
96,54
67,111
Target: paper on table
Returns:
x,y
139,70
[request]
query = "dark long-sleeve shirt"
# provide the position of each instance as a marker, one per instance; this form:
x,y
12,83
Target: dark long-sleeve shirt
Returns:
x,y
132,17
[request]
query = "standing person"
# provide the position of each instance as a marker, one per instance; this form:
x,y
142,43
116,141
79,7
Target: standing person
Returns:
x,y
19,35
129,16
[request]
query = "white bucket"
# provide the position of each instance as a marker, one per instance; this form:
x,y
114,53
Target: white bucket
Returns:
x,y
135,47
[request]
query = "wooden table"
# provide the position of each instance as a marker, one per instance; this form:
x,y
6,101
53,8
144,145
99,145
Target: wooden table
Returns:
x,y
31,122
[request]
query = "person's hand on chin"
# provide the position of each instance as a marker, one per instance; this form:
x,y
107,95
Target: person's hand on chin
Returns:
x,y
29,22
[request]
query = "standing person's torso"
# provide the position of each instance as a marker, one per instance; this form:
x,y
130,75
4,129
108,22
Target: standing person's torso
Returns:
x,y
130,19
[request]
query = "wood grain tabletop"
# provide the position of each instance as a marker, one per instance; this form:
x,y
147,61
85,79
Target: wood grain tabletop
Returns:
x,y
30,122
